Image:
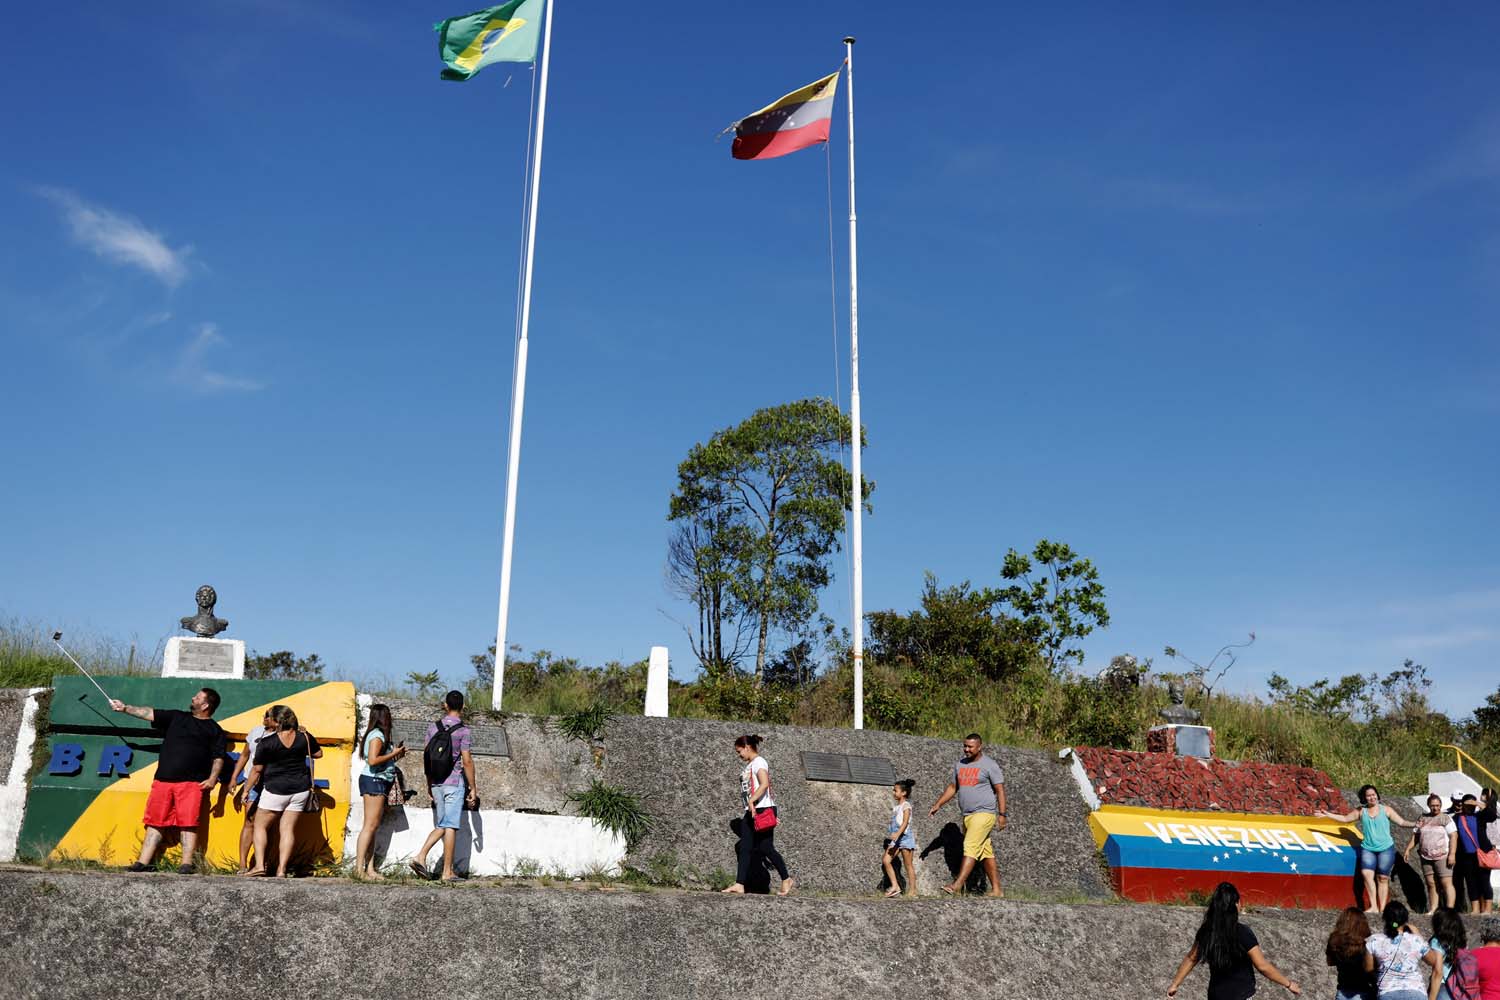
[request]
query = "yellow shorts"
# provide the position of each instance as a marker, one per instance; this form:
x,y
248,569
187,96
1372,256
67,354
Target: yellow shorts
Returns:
x,y
977,829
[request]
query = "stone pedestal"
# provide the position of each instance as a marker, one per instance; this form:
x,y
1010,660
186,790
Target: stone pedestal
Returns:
x,y
656,683
192,656
1182,740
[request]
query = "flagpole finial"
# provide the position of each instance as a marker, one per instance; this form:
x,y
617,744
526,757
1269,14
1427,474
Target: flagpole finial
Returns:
x,y
848,39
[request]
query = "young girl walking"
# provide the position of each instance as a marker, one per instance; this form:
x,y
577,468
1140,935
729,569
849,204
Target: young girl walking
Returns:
x,y
899,837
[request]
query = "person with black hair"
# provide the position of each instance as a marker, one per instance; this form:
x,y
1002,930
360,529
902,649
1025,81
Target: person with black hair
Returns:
x,y
758,824
1436,841
1231,951
453,790
900,837
1377,848
1487,958
284,765
375,782
1473,840
979,784
1396,954
1345,951
1449,937
192,756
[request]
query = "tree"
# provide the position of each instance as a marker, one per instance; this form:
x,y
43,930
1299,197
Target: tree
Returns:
x,y
1065,600
283,665
699,571
424,683
763,503
1322,697
1485,725
959,621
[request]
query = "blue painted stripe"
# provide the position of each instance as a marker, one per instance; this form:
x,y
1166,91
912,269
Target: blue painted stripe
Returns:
x,y
1151,852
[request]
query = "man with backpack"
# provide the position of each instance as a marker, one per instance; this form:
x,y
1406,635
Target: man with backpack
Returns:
x,y
450,779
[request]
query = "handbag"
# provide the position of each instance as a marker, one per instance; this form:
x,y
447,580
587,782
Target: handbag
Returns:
x,y
396,794
314,804
763,820
1487,858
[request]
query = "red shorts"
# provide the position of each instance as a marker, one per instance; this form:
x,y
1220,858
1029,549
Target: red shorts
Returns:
x,y
174,804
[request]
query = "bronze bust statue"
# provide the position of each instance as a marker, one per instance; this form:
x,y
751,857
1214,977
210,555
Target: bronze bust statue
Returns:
x,y
1177,713
204,623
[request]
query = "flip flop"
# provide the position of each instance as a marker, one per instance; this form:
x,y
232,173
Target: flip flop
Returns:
x,y
892,893
421,870
949,890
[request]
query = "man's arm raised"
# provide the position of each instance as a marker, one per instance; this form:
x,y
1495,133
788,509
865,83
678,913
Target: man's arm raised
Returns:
x,y
146,714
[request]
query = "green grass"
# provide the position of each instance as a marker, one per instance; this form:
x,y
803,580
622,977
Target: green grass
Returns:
x,y
28,657
1032,709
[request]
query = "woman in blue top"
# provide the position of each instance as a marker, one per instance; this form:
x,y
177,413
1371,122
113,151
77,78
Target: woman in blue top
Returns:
x,y
374,782
1377,849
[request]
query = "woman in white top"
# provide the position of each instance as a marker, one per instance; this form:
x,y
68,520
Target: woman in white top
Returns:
x,y
757,838
1405,967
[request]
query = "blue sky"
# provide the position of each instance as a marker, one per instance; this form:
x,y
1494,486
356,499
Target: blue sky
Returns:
x,y
1210,295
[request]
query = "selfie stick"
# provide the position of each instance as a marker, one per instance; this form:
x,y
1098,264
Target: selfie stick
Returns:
x,y
57,638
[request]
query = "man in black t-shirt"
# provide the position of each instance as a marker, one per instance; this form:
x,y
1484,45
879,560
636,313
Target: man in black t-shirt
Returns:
x,y
192,755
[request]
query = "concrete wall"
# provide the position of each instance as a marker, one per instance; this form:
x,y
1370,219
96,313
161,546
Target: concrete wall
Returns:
x,y
831,833
18,720
97,937
494,841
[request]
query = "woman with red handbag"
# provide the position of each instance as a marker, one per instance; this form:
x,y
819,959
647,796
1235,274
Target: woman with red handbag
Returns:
x,y
1476,857
758,826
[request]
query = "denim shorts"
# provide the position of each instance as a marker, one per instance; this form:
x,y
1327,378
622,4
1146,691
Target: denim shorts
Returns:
x,y
1379,862
371,785
447,805
1368,994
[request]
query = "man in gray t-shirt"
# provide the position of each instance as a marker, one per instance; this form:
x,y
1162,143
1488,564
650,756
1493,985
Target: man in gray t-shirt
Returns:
x,y
979,784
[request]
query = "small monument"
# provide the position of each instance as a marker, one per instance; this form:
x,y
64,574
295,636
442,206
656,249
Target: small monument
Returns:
x,y
1183,733
656,682
203,655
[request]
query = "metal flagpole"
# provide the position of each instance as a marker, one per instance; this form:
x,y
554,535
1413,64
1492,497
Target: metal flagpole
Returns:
x,y
518,394
856,538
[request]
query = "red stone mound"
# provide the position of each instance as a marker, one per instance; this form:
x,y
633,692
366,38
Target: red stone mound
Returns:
x,y
1165,781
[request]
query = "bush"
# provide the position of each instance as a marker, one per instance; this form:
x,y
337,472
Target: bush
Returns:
x,y
614,809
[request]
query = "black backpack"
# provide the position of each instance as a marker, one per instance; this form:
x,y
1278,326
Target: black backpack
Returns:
x,y
437,758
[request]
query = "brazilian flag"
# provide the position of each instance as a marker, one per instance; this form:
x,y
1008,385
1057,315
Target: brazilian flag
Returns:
x,y
505,33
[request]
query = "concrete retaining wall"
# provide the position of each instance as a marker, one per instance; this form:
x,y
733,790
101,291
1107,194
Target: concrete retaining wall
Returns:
x,y
831,833
105,936
18,720
497,841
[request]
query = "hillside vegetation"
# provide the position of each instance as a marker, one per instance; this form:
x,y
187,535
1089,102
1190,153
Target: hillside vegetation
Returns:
x,y
1379,729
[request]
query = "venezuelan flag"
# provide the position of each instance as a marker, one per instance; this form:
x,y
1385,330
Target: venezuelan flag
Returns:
x,y
1159,855
505,33
798,120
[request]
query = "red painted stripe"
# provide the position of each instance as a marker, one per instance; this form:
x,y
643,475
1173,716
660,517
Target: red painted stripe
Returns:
x,y
771,144
1165,885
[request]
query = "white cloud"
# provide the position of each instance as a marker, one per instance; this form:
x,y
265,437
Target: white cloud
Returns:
x,y
192,371
121,238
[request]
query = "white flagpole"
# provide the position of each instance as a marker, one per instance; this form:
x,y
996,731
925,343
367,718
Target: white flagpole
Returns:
x,y
518,395
856,538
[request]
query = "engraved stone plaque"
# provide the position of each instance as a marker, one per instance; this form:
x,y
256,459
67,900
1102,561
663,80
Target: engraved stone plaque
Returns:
x,y
485,741
208,657
188,656
1193,741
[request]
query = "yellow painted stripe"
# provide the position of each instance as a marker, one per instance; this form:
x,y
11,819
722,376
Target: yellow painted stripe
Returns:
x,y
327,711
1187,827
110,829
812,92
